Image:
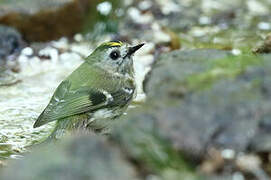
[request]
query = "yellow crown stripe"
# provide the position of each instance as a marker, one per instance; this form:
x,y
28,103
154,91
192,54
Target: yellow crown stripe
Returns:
x,y
113,43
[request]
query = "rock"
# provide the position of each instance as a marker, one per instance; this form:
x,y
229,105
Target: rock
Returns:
x,y
224,115
10,42
248,162
193,114
265,47
2,164
200,102
261,141
177,66
152,134
87,157
7,78
139,136
44,20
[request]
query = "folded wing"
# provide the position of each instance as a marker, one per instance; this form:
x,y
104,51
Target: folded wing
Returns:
x,y
65,103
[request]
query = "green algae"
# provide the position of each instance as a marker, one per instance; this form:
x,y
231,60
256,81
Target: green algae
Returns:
x,y
229,67
213,37
139,138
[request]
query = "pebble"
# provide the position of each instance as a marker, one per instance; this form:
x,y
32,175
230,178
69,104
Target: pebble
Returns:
x,y
82,49
203,31
158,35
139,18
153,177
257,8
209,5
214,161
119,12
144,5
204,20
170,8
78,37
198,32
238,176
145,61
62,43
70,60
248,162
161,37
2,163
104,8
50,52
128,2
228,154
16,156
264,26
236,52
23,59
28,51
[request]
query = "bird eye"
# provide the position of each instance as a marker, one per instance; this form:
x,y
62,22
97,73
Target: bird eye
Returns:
x,y
115,55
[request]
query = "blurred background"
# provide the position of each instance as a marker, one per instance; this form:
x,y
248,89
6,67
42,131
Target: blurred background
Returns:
x,y
203,101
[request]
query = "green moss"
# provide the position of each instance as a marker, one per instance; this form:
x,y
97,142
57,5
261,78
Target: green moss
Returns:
x,y
221,68
227,39
158,155
152,153
160,158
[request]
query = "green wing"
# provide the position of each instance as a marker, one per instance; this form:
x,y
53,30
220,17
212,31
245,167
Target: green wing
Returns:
x,y
66,102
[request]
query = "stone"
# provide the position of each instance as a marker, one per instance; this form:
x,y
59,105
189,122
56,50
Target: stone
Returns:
x,y
177,66
84,157
152,134
265,47
10,42
200,102
211,110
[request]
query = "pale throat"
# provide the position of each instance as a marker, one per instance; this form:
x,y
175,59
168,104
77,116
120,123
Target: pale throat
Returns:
x,y
121,72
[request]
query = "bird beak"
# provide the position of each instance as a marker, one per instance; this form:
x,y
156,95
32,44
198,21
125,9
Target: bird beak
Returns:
x,y
133,49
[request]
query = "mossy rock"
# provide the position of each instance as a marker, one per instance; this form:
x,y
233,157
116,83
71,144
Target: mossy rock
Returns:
x,y
184,117
86,157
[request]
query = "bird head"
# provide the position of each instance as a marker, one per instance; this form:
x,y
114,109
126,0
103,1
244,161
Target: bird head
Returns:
x,y
114,56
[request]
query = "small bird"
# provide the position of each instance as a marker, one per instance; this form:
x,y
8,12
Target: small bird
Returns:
x,y
95,94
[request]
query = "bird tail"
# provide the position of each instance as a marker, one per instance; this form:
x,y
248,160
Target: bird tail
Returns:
x,y
72,124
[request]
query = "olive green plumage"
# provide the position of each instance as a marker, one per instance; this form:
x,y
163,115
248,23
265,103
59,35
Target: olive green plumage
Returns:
x,y
97,92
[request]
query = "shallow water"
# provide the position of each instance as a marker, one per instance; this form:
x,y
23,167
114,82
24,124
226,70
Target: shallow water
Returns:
x,y
20,104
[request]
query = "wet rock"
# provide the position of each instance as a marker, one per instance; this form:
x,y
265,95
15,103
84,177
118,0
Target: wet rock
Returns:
x,y
265,47
261,141
248,162
177,66
44,20
8,78
2,164
10,42
224,115
139,136
153,134
87,157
